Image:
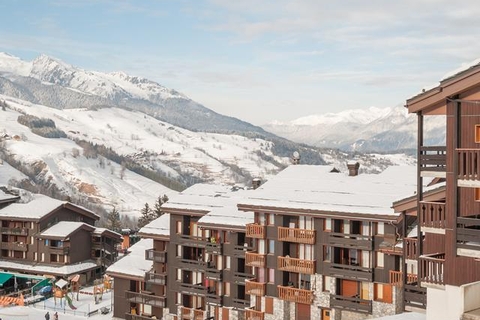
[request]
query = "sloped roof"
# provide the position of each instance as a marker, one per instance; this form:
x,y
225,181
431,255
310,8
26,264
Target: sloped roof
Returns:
x,y
316,189
133,264
158,227
64,229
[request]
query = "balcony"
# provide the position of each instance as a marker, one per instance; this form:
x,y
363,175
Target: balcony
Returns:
x,y
193,289
59,250
396,278
254,230
213,247
239,250
191,264
193,314
254,288
468,235
296,235
16,246
240,277
191,241
156,256
296,265
156,278
255,259
213,299
213,274
468,164
352,272
433,158
145,298
14,231
411,247
295,295
415,296
241,303
432,268
351,303
432,215
251,314
354,241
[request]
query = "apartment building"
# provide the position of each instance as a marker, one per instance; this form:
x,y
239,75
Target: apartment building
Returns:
x,y
206,262
325,243
448,237
42,236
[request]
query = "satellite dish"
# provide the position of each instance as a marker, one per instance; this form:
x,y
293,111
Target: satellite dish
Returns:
x,y
296,155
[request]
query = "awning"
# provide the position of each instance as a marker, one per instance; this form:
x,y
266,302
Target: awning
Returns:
x,y
4,277
61,283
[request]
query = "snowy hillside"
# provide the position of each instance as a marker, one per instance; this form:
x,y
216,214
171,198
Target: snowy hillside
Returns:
x,y
49,81
372,129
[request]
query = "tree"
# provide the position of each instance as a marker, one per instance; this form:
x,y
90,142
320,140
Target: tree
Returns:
x,y
157,211
146,216
113,220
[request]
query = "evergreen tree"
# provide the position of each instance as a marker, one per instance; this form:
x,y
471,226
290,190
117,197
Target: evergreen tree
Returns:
x,y
113,220
146,216
157,211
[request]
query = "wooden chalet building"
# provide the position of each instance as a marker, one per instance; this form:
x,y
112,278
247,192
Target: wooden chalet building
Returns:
x,y
448,240
325,243
140,276
206,255
46,236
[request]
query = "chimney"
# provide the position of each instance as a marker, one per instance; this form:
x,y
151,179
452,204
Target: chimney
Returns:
x,y
256,182
296,158
353,168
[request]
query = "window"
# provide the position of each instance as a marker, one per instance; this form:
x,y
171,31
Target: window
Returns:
x,y
327,253
270,219
179,250
179,227
364,292
380,259
227,288
380,228
326,283
271,246
271,275
328,224
227,262
477,194
477,133
383,292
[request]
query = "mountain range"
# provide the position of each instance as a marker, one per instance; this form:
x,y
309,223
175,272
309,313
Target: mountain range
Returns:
x,y
364,130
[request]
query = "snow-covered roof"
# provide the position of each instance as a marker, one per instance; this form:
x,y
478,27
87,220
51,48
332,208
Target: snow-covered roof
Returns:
x,y
307,187
158,227
5,197
219,202
101,231
134,264
63,229
37,208
63,270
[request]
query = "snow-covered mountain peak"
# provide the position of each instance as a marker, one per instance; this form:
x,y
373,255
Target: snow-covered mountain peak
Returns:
x,y
360,116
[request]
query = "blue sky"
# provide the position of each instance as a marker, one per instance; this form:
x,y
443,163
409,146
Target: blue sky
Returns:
x,y
256,60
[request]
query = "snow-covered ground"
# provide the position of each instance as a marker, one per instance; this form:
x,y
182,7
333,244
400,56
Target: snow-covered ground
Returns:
x,y
85,304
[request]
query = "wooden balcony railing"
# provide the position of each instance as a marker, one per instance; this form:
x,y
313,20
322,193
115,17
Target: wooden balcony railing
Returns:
x,y
156,256
351,303
432,214
213,273
156,278
295,295
396,278
251,314
355,241
191,264
144,298
411,247
14,231
240,277
213,247
255,259
415,296
239,250
412,278
191,241
254,288
432,268
254,230
193,289
296,235
296,265
433,158
193,314
241,303
59,250
468,164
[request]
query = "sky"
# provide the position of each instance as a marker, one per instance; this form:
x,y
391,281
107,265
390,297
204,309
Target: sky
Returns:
x,y
256,60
